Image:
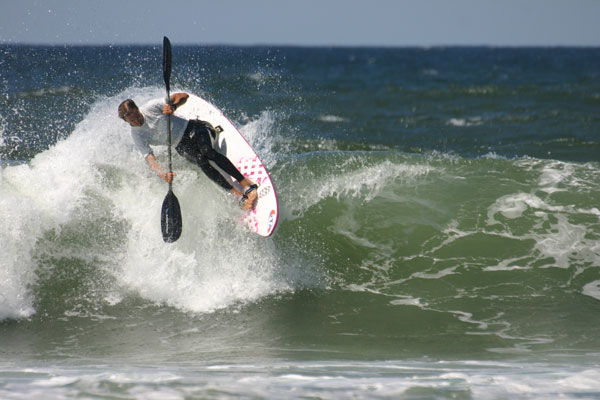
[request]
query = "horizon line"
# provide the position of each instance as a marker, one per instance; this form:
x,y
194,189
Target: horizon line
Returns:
x,y
294,45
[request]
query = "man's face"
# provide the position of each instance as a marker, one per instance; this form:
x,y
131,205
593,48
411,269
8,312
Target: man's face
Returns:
x,y
134,117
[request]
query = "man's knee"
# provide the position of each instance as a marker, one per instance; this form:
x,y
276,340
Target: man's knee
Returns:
x,y
208,152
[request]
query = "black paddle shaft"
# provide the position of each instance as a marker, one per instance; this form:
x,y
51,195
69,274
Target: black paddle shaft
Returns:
x,y
170,217
167,66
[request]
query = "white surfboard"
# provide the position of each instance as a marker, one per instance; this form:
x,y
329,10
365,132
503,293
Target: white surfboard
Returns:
x,y
230,142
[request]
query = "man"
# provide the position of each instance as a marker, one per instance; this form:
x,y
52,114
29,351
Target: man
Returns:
x,y
192,139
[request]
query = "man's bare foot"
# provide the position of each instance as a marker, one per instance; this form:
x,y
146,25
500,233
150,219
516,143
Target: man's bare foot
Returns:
x,y
250,197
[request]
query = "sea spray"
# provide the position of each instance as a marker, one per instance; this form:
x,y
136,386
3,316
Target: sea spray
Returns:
x,y
440,237
214,266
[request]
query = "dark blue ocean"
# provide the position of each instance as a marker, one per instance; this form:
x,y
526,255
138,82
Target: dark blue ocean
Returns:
x,y
439,235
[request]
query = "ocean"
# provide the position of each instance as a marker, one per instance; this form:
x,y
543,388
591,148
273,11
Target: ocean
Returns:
x,y
439,235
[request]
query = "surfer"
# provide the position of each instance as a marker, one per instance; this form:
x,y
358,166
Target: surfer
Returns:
x,y
193,139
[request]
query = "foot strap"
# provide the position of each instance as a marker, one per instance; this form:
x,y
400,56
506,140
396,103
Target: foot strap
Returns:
x,y
248,189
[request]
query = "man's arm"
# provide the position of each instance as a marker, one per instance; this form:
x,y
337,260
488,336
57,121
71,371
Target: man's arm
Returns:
x,y
177,100
155,166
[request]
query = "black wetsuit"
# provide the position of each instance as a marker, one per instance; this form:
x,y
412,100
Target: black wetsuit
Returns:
x,y
196,145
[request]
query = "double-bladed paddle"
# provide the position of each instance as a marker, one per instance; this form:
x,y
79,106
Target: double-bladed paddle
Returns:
x,y
170,216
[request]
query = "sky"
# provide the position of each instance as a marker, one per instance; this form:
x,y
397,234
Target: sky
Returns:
x,y
303,22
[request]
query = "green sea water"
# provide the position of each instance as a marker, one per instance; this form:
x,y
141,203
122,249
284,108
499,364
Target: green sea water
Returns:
x,y
439,235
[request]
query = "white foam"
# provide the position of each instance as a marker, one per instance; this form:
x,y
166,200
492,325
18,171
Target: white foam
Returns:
x,y
215,264
592,289
17,227
553,232
508,265
331,118
456,122
493,156
367,183
56,381
318,379
468,318
41,196
408,301
553,175
514,205
437,275
465,122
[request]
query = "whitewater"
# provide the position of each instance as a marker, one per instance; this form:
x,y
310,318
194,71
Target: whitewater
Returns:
x,y
439,233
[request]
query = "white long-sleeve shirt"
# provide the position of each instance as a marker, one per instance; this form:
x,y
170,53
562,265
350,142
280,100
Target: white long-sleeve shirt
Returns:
x,y
154,131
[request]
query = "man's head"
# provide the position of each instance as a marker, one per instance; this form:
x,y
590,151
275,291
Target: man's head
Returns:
x,y
130,113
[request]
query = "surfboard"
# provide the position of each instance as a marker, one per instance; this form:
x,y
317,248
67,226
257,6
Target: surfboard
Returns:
x,y
261,220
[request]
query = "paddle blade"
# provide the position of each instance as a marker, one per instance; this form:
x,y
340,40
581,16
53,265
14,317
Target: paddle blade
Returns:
x,y
167,62
170,218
